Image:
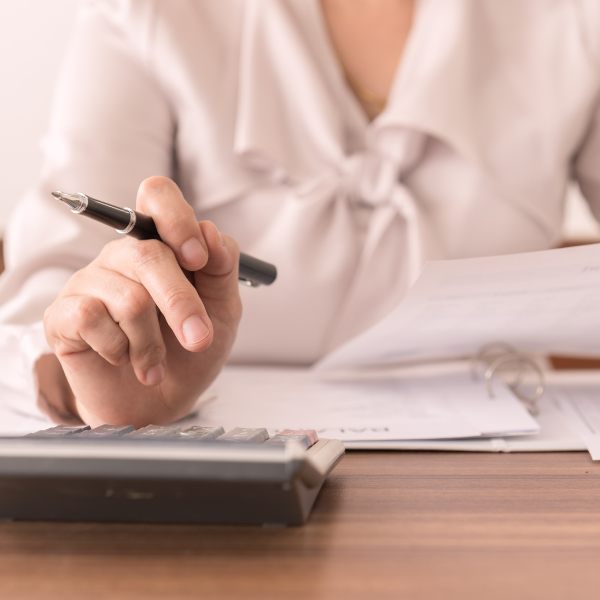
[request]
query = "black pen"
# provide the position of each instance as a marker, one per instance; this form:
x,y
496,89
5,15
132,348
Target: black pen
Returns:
x,y
253,272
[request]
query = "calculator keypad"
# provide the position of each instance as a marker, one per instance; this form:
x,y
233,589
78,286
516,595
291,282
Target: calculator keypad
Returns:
x,y
106,431
239,435
155,431
60,431
200,433
245,435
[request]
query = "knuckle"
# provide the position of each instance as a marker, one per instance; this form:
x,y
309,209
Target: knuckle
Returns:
x,y
113,246
117,344
175,219
77,278
179,295
146,253
135,302
78,281
89,312
152,354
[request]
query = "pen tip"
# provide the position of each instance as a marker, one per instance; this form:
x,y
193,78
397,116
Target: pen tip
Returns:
x,y
76,202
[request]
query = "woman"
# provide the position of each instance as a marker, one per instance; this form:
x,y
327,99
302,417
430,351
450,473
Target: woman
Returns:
x,y
269,115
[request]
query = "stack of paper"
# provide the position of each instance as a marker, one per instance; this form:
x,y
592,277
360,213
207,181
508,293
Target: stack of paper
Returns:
x,y
406,413
545,302
447,407
581,407
539,302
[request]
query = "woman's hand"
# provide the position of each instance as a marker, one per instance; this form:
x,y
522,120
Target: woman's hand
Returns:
x,y
144,329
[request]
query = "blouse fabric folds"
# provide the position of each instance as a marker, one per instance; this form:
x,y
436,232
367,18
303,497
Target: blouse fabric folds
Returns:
x,y
493,109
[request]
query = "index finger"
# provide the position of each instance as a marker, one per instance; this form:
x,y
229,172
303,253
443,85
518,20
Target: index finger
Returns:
x,y
153,265
161,199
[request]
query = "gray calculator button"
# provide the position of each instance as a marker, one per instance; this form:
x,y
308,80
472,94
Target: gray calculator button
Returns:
x,y
155,431
311,433
200,433
59,431
245,435
280,440
106,431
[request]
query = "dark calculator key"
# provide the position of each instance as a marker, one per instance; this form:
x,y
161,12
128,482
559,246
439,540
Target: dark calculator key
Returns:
x,y
155,431
282,440
200,433
245,435
59,431
311,433
106,431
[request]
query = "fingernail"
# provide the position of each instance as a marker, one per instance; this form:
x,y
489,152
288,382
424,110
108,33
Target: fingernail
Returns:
x,y
194,330
124,359
192,252
155,375
221,238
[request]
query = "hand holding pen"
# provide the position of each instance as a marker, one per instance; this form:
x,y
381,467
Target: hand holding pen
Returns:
x,y
126,362
252,271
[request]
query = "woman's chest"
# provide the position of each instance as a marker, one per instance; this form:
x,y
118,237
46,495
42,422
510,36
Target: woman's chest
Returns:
x,y
507,90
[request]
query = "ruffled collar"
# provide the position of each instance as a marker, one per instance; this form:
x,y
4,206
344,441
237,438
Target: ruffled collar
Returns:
x,y
296,114
289,119
297,119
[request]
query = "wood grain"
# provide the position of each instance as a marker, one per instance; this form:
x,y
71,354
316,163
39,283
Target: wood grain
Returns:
x,y
386,525
574,362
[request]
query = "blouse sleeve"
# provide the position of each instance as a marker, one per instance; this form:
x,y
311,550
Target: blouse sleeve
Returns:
x,y
111,127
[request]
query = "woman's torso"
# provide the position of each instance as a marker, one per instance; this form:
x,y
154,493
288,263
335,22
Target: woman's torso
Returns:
x,y
471,157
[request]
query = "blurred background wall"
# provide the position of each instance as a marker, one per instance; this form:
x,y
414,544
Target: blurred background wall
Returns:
x,y
33,39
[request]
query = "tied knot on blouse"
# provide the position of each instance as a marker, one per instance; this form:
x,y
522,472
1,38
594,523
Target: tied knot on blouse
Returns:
x,y
344,179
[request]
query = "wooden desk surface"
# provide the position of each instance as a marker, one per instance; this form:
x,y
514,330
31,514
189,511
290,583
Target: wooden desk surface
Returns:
x,y
386,525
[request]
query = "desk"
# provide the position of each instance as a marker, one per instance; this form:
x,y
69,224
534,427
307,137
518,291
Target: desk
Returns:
x,y
417,525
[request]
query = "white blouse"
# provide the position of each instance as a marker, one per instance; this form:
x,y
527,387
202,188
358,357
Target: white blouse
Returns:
x,y
494,107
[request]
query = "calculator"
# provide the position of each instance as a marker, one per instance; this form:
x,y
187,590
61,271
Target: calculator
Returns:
x,y
164,474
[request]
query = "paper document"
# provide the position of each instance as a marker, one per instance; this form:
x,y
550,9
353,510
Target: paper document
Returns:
x,y
540,301
581,406
452,406
556,434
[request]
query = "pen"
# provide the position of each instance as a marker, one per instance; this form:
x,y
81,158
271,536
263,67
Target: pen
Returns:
x,y
253,272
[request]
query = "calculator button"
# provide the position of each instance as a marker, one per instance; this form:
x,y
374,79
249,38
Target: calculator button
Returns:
x,y
59,431
200,433
311,433
281,440
245,435
155,431
106,431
